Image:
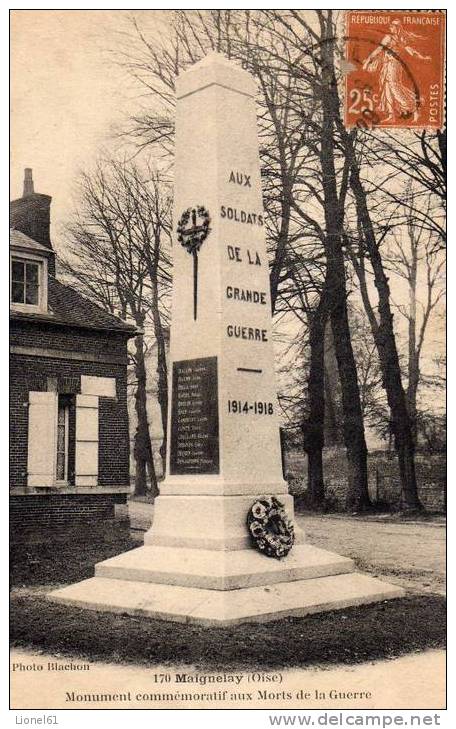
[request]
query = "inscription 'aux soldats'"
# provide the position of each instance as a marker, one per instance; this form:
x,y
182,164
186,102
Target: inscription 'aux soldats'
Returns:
x,y
241,216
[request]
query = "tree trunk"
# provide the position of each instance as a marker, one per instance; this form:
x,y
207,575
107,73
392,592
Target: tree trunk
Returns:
x,y
152,259
143,447
162,381
386,345
285,205
333,414
413,357
357,498
315,479
140,468
412,389
313,428
280,251
331,426
406,458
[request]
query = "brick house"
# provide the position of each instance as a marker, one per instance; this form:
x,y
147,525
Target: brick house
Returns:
x,y
69,441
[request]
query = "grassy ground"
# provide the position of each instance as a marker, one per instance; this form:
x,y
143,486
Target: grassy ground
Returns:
x,y
47,565
353,635
382,630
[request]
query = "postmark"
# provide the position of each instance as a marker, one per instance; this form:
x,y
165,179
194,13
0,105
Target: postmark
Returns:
x,y
396,67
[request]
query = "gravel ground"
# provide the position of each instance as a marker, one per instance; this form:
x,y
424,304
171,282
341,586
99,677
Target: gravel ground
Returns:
x,y
410,554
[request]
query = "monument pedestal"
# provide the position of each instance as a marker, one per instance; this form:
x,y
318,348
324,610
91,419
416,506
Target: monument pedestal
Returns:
x,y
206,522
224,588
198,563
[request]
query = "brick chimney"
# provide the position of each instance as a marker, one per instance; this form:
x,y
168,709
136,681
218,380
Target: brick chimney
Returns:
x,y
28,182
31,213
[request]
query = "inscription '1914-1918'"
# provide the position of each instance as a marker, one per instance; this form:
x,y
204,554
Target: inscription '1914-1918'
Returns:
x,y
244,407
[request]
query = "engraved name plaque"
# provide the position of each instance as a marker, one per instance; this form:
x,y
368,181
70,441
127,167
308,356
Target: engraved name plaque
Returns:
x,y
194,417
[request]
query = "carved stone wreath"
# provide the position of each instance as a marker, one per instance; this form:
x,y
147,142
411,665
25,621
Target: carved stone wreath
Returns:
x,y
192,236
271,530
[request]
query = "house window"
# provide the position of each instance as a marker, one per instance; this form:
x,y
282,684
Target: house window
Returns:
x,y
62,440
25,282
51,440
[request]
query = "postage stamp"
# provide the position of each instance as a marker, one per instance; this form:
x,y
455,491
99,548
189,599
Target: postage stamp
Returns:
x,y
396,69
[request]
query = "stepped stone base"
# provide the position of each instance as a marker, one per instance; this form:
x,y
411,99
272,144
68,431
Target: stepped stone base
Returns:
x,y
223,588
225,607
216,570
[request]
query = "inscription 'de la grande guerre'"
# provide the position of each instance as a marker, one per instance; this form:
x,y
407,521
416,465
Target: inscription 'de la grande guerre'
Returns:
x,y
194,415
246,256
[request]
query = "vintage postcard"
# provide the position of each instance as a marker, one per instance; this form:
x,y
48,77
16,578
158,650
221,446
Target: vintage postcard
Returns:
x,y
227,379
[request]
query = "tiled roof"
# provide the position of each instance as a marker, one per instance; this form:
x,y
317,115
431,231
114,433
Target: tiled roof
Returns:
x,y
65,304
68,307
17,238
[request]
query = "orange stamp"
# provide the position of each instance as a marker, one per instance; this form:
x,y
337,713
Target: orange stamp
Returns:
x,y
395,63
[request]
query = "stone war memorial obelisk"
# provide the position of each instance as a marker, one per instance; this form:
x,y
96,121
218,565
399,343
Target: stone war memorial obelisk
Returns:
x,y
198,563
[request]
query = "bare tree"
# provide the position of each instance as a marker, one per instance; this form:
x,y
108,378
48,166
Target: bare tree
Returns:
x,y
108,259
152,205
316,168
373,224
323,182
415,258
417,159
383,331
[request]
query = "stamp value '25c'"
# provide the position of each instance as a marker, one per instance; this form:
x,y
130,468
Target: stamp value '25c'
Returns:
x,y
396,62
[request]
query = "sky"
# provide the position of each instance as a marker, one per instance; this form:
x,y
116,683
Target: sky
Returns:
x,y
66,97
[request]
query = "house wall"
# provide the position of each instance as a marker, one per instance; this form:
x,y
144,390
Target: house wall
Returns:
x,y
50,357
54,517
40,373
43,335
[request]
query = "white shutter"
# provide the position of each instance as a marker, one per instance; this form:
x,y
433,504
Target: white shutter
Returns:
x,y
42,439
100,386
86,440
